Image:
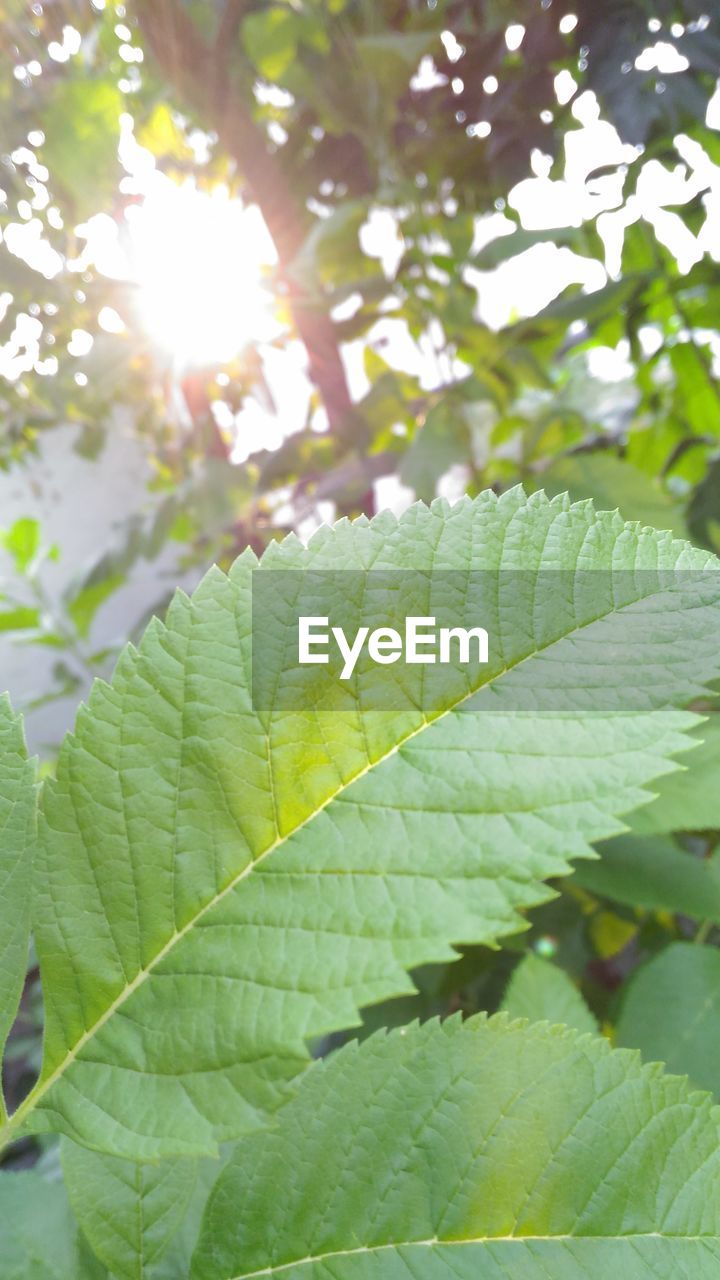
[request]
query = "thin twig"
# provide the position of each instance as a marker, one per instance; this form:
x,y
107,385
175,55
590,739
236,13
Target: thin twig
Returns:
x,y
229,25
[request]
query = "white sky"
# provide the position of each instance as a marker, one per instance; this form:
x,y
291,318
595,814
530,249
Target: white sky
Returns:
x,y
198,260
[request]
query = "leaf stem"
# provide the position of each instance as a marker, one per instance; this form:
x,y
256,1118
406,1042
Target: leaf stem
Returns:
x,y
703,932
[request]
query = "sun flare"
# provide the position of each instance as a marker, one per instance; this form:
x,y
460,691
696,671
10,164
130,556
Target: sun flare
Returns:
x,y
199,261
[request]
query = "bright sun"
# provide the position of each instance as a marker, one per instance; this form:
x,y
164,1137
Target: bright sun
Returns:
x,y
198,261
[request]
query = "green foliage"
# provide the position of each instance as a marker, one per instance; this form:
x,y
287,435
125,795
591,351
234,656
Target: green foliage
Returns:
x,y
688,800
443,442
134,1214
360,134
240,845
218,882
671,1012
488,1149
80,131
23,542
612,483
83,607
40,1236
541,992
17,830
221,890
653,873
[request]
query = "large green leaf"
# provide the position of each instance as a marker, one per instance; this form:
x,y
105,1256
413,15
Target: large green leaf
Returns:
x,y
486,1150
541,992
17,821
218,884
671,1012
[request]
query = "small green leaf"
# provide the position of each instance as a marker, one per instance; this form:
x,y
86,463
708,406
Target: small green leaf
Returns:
x,y
332,248
655,874
22,540
161,134
443,439
271,38
671,1012
273,34
22,618
508,246
83,607
592,307
130,1213
541,992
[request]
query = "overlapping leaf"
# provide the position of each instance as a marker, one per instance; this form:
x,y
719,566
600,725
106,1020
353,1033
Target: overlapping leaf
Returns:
x,y
687,801
40,1239
17,821
489,1149
671,1012
142,1220
218,884
654,873
542,992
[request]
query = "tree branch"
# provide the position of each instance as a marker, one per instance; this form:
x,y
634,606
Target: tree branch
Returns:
x,y
199,75
229,25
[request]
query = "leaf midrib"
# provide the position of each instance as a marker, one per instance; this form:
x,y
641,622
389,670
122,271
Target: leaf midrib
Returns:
x,y
9,1130
436,1242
